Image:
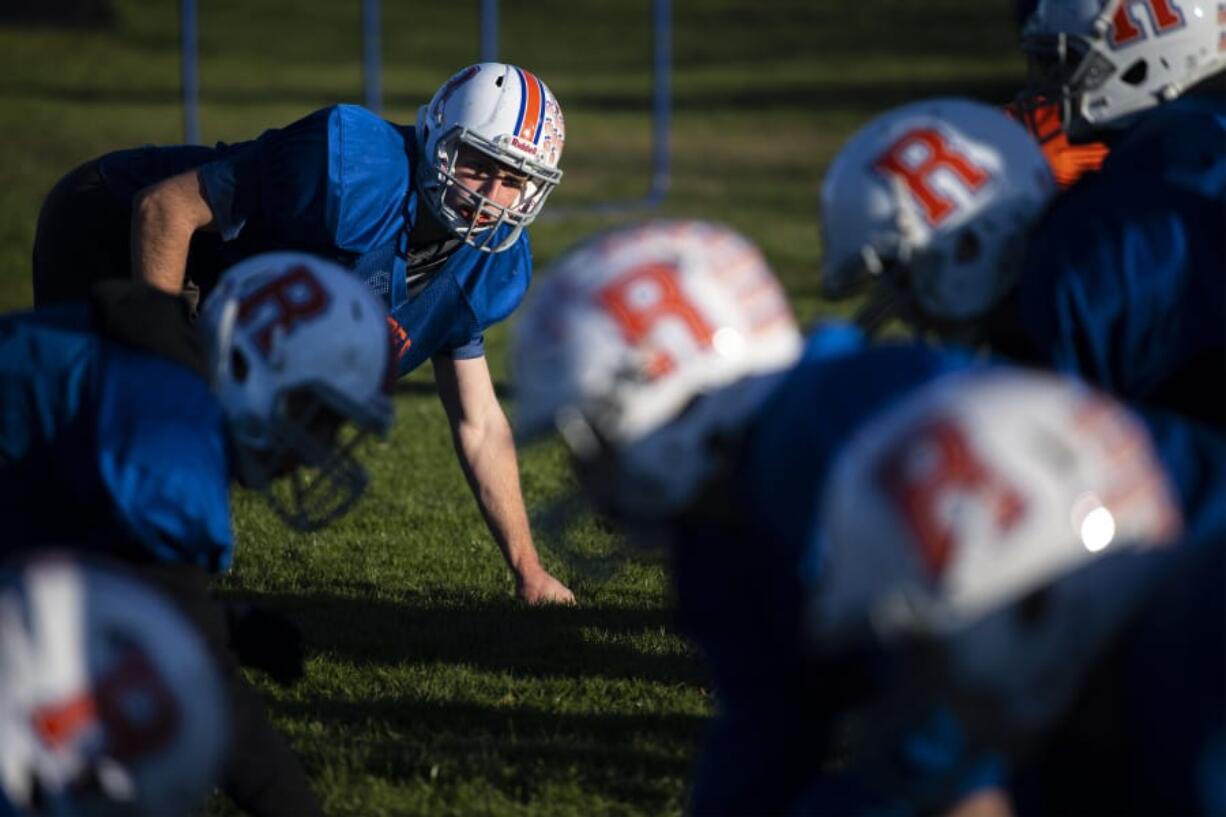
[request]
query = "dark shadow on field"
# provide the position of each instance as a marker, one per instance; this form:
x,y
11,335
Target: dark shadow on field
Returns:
x,y
424,387
499,636
518,750
767,97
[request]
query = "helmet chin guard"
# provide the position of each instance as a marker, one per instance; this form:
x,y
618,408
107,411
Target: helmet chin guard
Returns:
x,y
504,113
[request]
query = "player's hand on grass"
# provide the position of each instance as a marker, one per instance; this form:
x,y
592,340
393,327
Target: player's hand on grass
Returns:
x,y
539,587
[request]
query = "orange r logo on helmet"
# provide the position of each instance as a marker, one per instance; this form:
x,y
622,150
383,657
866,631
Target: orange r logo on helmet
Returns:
x,y
644,296
925,471
935,154
1164,14
293,297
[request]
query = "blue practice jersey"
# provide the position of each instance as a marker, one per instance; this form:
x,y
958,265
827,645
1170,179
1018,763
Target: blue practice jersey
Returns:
x,y
338,183
1124,282
108,449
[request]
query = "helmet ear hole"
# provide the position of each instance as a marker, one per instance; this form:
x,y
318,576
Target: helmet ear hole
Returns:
x,y
969,247
1136,73
238,366
498,82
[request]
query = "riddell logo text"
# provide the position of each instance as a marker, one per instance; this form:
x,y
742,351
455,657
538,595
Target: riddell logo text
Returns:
x,y
520,144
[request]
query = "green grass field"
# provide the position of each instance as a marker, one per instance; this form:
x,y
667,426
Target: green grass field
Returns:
x,y
429,690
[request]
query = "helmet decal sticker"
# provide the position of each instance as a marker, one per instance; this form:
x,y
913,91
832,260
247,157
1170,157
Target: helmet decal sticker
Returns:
x,y
531,108
641,298
922,471
1125,30
295,296
916,156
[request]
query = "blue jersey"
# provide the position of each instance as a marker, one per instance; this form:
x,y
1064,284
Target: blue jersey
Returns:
x,y
108,449
338,183
739,587
1124,282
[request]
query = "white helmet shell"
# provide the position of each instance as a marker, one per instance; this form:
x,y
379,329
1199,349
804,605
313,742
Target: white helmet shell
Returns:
x,y
109,700
510,115
1108,60
944,515
626,330
288,335
934,198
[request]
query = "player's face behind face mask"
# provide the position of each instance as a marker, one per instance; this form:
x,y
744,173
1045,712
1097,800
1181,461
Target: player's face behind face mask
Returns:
x,y
310,473
483,189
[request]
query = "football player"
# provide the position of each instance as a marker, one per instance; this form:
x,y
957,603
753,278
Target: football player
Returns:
x,y
136,421
932,203
109,700
432,217
1118,281
1000,544
668,361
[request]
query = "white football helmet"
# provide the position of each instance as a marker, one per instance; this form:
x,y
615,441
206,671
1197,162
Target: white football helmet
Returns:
x,y
296,347
109,701
931,202
1005,517
508,114
639,346
1107,60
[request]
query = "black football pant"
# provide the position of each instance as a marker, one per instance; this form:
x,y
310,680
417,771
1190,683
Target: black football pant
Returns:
x,y
84,236
263,775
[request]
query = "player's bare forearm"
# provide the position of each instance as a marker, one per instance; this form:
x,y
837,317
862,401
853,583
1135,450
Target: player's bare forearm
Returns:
x,y
487,455
165,216
486,451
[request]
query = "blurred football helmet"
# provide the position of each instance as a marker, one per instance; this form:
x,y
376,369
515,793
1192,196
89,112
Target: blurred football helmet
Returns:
x,y
1003,519
296,348
931,202
643,346
109,701
1106,60
508,114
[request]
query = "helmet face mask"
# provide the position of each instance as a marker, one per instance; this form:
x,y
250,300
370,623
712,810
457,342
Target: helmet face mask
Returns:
x,y
309,471
300,352
502,113
1105,61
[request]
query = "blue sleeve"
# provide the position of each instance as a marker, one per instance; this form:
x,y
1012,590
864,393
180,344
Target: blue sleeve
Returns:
x,y
832,339
473,348
336,178
162,457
